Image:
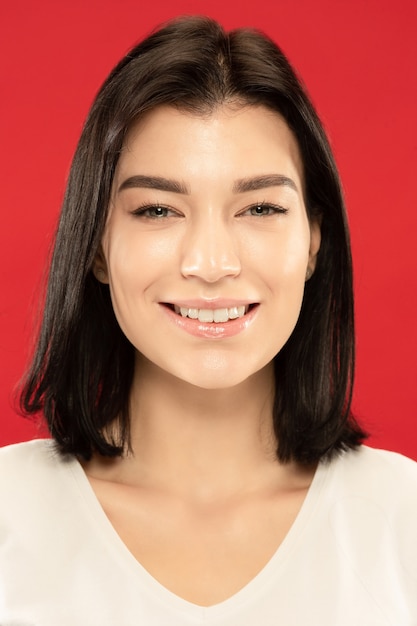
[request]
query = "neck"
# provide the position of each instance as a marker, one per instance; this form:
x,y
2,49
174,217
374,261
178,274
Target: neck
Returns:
x,y
200,441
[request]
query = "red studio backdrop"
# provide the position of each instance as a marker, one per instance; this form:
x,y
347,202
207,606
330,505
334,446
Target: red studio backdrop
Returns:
x,y
358,60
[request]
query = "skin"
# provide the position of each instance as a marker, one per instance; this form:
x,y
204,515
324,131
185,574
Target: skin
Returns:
x,y
203,491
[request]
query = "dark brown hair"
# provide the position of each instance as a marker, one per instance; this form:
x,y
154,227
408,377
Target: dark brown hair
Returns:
x,y
82,369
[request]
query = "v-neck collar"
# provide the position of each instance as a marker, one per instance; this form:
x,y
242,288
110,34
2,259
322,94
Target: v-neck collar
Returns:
x,y
120,556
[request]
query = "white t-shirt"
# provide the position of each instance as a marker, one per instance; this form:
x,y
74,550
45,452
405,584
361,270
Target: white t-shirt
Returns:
x,y
350,558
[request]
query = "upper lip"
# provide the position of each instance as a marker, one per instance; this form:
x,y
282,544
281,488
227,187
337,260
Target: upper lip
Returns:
x,y
212,303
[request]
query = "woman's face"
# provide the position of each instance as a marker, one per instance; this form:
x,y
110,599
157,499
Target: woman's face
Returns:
x,y
208,243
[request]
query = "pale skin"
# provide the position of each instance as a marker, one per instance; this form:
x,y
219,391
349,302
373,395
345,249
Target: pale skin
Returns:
x,y
203,503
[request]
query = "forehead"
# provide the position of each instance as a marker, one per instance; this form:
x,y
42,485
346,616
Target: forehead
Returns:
x,y
250,139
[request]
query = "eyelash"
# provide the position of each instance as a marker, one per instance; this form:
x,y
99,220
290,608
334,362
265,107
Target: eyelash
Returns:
x,y
272,209
145,210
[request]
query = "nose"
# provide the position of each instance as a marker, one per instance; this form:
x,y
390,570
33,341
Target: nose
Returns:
x,y
210,251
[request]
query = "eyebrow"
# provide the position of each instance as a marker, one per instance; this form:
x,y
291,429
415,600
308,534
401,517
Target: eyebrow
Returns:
x,y
262,182
174,186
154,182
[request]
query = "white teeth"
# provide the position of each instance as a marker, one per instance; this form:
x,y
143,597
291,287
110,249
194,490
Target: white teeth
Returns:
x,y
205,315
233,313
212,315
221,315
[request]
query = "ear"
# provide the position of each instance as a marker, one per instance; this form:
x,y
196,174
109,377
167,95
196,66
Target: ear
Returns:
x,y
100,267
315,241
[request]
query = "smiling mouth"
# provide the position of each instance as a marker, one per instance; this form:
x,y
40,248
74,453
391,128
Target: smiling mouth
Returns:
x,y
208,316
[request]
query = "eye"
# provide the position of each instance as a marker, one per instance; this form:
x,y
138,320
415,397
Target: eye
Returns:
x,y
264,209
154,212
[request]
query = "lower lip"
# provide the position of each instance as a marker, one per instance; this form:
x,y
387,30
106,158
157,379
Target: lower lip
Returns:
x,y
212,330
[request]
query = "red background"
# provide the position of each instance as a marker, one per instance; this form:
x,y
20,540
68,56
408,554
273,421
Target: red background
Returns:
x,y
358,59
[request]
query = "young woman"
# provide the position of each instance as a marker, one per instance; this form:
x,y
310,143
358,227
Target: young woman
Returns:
x,y
195,368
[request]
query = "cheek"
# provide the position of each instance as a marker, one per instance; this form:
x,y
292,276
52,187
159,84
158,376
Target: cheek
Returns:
x,y
135,261
128,274
137,266
281,259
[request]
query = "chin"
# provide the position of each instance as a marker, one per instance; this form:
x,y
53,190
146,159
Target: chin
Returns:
x,y
220,375
213,383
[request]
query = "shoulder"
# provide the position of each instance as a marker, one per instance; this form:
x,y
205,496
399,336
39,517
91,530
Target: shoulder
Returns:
x,y
373,503
38,492
383,471
364,532
28,468
384,480
26,454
